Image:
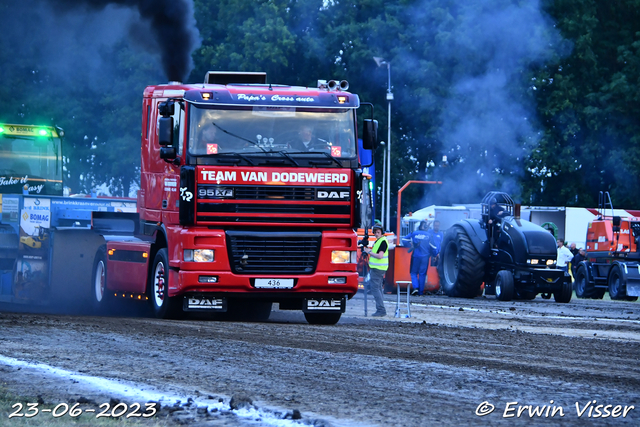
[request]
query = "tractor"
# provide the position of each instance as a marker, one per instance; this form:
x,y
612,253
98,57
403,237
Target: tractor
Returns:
x,y
511,257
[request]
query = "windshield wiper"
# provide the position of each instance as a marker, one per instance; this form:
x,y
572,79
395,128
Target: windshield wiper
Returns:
x,y
318,152
239,137
241,156
285,154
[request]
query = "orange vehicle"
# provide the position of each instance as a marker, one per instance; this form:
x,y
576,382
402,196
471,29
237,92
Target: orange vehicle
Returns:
x,y
613,259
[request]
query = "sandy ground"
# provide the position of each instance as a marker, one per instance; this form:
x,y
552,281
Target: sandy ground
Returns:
x,y
449,362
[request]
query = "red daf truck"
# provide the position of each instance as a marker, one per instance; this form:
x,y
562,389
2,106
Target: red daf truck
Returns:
x,y
250,193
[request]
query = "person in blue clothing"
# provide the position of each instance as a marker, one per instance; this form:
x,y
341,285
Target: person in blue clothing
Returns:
x,y
435,237
421,251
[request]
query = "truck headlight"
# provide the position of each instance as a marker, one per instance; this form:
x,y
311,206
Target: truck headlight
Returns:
x,y
532,261
550,262
198,255
340,257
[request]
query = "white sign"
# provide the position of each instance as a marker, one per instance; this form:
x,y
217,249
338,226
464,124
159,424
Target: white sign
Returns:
x,y
36,213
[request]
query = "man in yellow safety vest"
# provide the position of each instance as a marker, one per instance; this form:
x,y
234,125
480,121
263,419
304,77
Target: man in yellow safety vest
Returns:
x,y
378,265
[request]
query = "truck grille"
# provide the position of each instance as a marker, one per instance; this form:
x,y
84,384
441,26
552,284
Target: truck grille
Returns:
x,y
273,252
279,204
274,192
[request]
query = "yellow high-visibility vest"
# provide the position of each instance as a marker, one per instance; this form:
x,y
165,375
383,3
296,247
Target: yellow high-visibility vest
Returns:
x,y
380,264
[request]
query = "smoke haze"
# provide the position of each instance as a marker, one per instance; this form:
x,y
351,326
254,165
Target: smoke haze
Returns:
x,y
487,120
66,35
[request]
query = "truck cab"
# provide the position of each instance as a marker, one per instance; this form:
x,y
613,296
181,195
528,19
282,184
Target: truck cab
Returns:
x,y
30,160
250,194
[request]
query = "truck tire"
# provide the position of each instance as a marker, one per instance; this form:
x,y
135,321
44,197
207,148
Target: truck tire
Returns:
x,y
164,307
617,285
461,268
101,297
585,289
322,318
504,285
565,293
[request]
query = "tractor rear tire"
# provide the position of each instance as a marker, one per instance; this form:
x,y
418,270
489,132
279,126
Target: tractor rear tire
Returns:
x,y
585,289
618,286
461,268
504,285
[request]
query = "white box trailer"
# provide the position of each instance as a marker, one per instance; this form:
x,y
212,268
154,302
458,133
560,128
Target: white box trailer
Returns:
x,y
572,223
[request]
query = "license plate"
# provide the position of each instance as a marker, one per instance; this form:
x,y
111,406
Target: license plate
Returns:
x,y
274,283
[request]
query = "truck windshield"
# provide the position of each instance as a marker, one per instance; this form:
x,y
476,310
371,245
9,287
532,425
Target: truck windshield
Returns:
x,y
30,160
271,129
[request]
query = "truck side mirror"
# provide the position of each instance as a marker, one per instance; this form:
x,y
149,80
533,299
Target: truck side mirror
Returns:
x,y
369,134
168,153
166,108
165,131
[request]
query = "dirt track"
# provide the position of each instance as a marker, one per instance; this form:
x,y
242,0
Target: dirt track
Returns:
x,y
436,367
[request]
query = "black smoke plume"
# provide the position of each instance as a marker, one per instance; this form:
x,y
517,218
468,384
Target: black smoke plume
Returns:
x,y
173,28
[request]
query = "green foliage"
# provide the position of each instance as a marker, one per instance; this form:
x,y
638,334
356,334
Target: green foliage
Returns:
x,y
541,103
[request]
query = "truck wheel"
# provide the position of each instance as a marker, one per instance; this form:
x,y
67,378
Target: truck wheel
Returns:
x,y
322,318
100,295
565,293
504,285
584,289
164,307
618,286
461,268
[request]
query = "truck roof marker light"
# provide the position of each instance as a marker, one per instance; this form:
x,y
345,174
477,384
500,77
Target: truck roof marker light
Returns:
x,y
42,132
343,99
1,129
206,96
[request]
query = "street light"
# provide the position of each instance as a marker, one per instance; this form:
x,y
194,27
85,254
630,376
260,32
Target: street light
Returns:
x,y
380,62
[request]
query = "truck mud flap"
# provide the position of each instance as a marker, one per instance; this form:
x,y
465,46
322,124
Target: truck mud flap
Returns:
x,y
204,303
324,304
632,273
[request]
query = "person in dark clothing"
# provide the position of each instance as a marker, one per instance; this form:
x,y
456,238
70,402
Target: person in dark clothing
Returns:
x,y
422,250
496,213
576,260
308,141
436,238
573,249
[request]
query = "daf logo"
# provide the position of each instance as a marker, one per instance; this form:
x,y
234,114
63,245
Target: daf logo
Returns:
x,y
339,195
325,303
